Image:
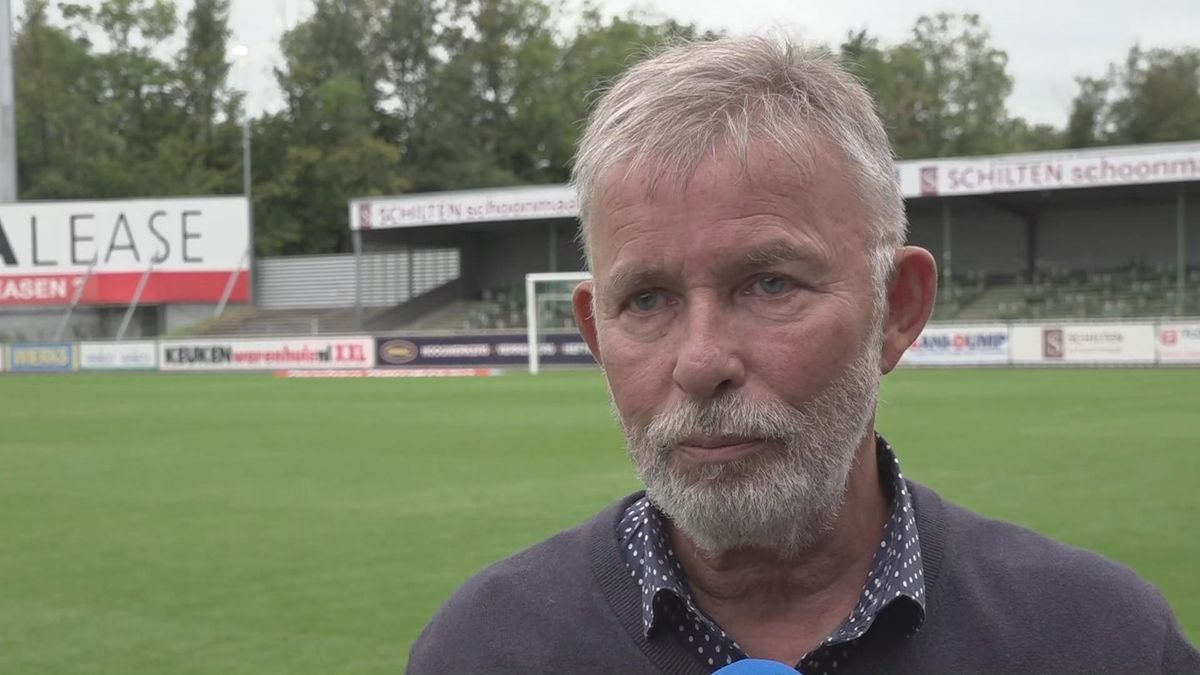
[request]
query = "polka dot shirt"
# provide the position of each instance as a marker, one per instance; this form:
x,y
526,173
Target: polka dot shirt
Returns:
x,y
668,607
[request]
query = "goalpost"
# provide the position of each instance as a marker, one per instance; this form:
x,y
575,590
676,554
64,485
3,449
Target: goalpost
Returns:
x,y
547,305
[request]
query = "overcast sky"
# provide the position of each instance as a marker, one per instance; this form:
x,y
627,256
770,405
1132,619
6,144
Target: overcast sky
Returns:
x,y
1049,42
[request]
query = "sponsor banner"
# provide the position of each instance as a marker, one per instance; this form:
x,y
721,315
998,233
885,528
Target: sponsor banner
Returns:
x,y
1084,343
478,350
117,288
394,372
141,355
48,357
1094,167
1179,343
284,354
191,247
464,206
1129,165
961,345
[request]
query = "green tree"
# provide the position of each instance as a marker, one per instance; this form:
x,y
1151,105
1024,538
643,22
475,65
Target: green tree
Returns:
x,y
67,142
1158,97
208,104
137,86
1025,137
326,146
1086,123
598,52
944,91
120,121
488,97
409,32
1154,96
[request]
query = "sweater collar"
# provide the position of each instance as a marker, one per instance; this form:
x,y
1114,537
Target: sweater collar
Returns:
x,y
623,595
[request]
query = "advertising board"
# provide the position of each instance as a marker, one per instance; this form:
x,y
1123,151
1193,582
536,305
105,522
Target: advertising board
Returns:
x,y
1179,343
1021,172
1099,344
959,346
188,248
481,350
1095,167
275,354
464,206
139,355
41,357
388,373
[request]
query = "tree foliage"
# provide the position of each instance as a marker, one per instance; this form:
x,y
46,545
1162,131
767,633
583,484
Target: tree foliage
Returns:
x,y
944,91
1154,96
387,96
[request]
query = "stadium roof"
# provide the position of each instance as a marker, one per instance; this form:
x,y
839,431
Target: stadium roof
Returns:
x,y
947,177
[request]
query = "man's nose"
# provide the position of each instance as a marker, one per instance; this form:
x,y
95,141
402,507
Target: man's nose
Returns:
x,y
709,361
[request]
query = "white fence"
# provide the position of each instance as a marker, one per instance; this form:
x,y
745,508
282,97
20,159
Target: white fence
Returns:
x,y
327,281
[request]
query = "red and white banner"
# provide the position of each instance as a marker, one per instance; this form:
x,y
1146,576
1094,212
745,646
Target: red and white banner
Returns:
x,y
1179,343
275,354
389,373
190,247
1128,165
1100,344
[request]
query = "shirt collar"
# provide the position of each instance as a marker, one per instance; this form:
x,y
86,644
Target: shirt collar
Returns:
x,y
896,575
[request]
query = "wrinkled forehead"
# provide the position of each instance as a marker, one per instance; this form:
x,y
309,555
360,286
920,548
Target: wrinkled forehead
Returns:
x,y
728,182
759,164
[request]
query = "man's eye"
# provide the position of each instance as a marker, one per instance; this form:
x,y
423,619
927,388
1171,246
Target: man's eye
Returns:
x,y
646,301
773,285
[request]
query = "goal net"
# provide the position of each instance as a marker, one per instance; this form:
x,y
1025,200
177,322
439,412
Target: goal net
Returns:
x,y
548,310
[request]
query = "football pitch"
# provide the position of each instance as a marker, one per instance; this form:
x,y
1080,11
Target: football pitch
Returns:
x,y
246,524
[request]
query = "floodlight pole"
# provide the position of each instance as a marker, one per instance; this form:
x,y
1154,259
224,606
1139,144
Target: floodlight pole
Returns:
x,y
247,190
241,53
8,115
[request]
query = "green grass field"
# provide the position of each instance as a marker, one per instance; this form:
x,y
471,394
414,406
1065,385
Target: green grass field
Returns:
x,y
244,524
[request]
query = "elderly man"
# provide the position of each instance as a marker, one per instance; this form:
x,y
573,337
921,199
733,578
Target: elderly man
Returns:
x,y
745,232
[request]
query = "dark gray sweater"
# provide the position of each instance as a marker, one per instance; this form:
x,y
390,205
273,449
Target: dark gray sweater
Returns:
x,y
1001,599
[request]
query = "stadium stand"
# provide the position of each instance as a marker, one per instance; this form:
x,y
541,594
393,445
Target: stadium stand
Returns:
x,y
1099,233
1130,292
1134,291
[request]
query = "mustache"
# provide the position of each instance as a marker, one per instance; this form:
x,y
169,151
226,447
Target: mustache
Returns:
x,y
729,415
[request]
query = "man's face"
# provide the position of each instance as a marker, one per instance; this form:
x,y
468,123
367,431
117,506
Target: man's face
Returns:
x,y
736,323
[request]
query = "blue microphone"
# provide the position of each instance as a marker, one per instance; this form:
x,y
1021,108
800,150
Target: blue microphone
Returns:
x,y
757,667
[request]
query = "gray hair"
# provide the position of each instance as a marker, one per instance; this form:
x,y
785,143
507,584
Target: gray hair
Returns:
x,y
670,112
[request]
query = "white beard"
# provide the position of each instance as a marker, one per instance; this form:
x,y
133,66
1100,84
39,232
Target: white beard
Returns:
x,y
783,498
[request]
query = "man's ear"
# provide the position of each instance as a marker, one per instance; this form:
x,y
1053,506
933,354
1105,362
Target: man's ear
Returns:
x,y
583,303
910,303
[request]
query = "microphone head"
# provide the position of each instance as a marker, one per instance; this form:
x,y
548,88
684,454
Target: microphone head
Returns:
x,y
757,667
